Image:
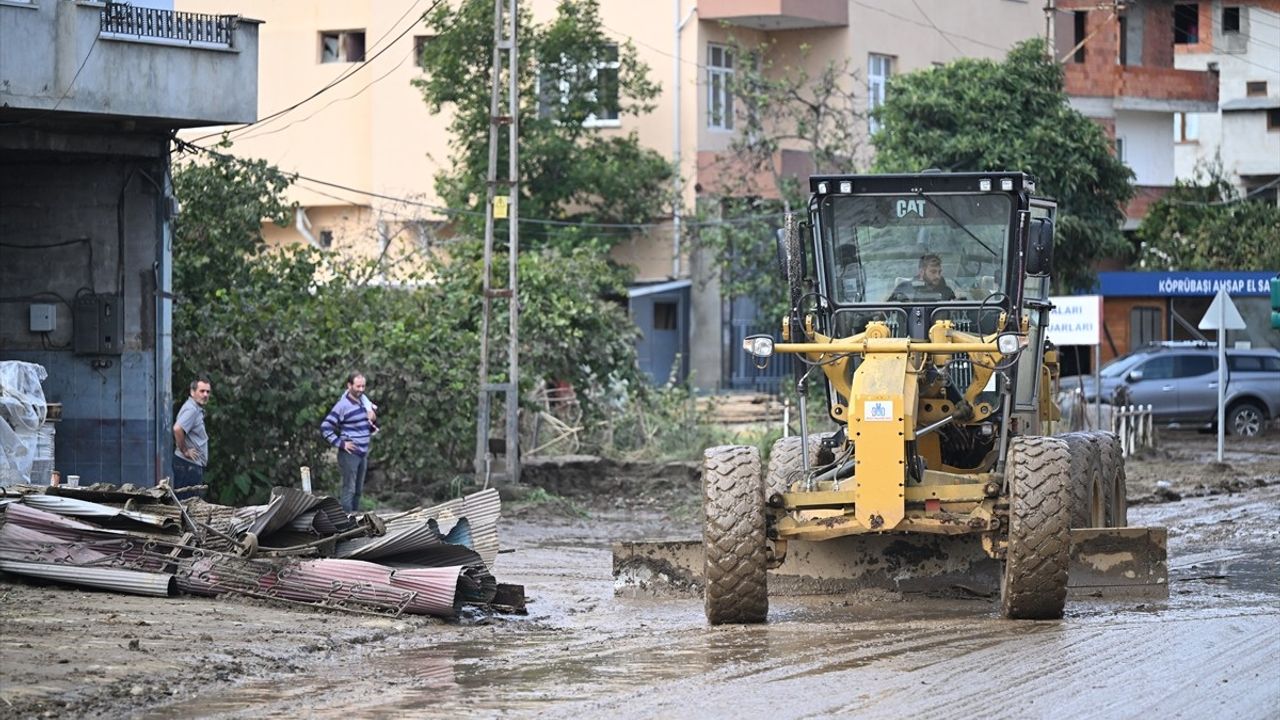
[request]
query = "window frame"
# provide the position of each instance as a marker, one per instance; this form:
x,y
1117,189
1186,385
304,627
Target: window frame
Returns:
x,y
1186,128
420,44
877,85
548,102
720,87
1236,11
1188,34
343,46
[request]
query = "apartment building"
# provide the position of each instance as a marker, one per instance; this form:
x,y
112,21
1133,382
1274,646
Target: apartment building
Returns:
x,y
1241,42
1120,67
373,132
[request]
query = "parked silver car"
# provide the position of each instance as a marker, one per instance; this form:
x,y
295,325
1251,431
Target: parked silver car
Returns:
x,y
1180,382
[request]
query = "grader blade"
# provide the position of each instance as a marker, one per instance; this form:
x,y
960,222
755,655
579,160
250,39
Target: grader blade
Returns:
x,y
1105,563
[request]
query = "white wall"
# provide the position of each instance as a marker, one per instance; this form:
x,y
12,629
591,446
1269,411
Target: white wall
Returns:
x,y
1147,136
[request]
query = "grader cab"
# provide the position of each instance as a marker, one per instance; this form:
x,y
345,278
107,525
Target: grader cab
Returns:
x,y
920,304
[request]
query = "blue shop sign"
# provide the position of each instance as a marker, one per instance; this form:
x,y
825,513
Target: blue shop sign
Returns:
x,y
1184,284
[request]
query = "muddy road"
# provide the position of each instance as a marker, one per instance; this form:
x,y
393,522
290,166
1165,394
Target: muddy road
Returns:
x,y
1210,649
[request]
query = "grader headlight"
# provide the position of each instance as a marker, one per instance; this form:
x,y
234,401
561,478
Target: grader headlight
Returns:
x,y
1009,343
760,346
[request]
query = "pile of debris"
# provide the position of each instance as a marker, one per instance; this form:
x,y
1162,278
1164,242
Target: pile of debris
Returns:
x,y
298,548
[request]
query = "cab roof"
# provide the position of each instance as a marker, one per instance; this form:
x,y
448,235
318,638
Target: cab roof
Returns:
x,y
928,182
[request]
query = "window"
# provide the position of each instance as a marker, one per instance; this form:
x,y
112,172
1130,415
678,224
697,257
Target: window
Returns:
x,y
1078,35
606,89
342,46
1186,23
1273,119
1256,88
1123,58
1186,127
1253,363
719,87
879,67
420,46
326,239
1120,149
555,92
664,316
1144,326
1195,365
1160,368
1230,20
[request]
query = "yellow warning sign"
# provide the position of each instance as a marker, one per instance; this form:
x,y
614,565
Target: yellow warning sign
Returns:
x,y
500,206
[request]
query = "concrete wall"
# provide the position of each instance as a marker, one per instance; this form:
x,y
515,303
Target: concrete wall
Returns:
x,y
46,45
59,239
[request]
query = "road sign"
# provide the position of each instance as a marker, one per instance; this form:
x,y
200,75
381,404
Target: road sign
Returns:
x,y
1222,314
1076,320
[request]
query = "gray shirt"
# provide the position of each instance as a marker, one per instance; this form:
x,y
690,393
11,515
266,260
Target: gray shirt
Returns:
x,y
191,420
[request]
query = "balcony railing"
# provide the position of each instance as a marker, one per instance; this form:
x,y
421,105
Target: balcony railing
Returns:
x,y
169,26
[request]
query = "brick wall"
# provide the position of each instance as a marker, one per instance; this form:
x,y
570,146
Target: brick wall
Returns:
x,y
1143,199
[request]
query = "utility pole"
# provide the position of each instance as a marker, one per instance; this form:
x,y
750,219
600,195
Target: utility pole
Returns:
x,y
497,206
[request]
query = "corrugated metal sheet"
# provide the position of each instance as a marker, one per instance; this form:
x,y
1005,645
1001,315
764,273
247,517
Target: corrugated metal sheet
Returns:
x,y
85,508
403,538
288,503
125,581
442,555
482,511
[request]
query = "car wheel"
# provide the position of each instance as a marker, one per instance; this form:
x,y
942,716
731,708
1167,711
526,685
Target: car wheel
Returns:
x,y
1246,420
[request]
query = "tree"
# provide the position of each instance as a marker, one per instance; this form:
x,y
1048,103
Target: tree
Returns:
x,y
278,330
570,75
977,114
781,105
1205,224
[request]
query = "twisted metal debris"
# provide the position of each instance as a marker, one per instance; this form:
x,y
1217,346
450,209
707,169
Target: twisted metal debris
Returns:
x,y
299,548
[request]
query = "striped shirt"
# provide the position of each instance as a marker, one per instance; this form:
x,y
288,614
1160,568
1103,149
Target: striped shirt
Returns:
x,y
348,420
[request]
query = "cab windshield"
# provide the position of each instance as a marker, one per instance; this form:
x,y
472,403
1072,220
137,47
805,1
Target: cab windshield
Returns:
x,y
914,248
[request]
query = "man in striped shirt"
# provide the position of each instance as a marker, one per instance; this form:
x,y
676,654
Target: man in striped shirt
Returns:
x,y
348,427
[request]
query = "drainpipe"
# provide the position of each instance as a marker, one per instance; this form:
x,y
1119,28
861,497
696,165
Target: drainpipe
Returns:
x,y
675,154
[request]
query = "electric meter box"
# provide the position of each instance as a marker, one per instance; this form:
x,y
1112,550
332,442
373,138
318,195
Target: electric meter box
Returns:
x,y
98,325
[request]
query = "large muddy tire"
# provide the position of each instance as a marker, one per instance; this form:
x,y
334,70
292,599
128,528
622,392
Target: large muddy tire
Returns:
x,y
1112,456
1034,584
733,536
1090,494
785,463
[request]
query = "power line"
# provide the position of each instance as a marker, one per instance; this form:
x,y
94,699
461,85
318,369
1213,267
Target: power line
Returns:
x,y
255,134
935,26
341,77
474,213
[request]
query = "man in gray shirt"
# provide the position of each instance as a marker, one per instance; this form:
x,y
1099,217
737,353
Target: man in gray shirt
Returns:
x,y
190,441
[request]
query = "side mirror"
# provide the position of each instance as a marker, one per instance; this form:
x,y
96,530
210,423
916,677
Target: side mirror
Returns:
x,y
1040,247
1134,375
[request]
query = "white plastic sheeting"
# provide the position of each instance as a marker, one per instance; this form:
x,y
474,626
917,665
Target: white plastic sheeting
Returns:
x,y
22,412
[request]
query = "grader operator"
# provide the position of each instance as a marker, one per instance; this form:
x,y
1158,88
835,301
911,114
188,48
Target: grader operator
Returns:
x,y
921,303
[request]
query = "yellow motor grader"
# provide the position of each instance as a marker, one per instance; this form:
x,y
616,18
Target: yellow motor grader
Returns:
x,y
920,303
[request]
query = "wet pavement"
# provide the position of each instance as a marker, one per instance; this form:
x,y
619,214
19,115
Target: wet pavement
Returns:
x,y
1209,650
